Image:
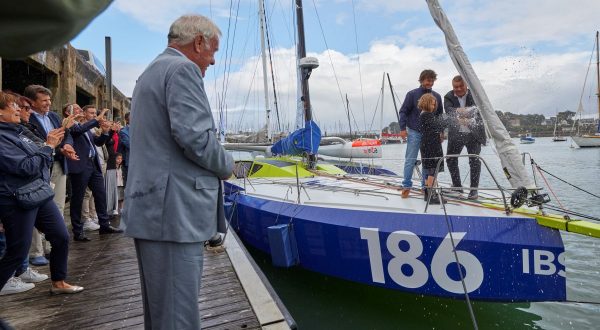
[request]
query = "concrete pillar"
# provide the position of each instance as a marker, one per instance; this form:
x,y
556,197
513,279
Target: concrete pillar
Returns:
x,y
67,81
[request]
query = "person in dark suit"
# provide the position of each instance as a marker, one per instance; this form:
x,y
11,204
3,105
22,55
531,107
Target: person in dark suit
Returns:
x,y
44,121
465,128
87,172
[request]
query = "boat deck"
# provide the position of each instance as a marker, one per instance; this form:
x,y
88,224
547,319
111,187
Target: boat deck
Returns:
x,y
107,268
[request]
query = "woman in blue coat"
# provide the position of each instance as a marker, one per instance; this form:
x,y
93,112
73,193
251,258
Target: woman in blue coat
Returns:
x,y
22,162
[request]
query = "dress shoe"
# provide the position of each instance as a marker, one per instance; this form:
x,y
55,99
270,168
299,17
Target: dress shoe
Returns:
x,y
473,195
109,230
81,238
214,241
72,289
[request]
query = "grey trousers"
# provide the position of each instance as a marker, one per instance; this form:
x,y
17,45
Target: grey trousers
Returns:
x,y
170,276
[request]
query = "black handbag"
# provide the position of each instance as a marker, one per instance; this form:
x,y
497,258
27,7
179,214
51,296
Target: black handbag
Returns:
x,y
34,194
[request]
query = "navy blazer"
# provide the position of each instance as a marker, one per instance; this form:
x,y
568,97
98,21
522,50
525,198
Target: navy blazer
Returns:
x,y
409,113
82,146
450,104
56,123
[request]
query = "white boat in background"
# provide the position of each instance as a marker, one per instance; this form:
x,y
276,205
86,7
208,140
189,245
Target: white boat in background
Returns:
x,y
590,140
587,141
357,148
557,138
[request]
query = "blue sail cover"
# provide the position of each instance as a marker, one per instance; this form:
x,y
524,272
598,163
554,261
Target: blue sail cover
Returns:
x,y
304,140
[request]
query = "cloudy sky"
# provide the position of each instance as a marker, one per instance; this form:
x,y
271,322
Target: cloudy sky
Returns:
x,y
531,55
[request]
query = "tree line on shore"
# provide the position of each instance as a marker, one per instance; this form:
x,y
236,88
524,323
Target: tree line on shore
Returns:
x,y
536,124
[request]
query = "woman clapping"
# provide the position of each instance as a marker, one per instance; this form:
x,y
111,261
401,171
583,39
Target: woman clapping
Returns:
x,y
22,162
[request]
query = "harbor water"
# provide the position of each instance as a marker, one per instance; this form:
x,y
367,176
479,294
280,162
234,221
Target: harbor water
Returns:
x,y
320,302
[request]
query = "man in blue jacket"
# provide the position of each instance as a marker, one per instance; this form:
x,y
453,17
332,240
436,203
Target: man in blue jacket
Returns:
x,y
44,121
124,147
409,124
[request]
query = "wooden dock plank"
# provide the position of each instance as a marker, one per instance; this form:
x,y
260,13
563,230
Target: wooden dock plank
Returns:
x,y
107,268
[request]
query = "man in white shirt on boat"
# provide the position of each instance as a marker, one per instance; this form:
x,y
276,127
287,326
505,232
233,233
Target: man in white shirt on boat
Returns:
x,y
465,128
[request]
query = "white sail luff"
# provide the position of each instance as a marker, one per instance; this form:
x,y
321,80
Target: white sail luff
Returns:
x,y
508,152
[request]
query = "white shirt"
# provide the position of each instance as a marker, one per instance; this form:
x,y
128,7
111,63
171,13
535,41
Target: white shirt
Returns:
x,y
462,100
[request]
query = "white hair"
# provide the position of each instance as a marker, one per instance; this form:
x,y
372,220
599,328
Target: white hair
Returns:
x,y
187,27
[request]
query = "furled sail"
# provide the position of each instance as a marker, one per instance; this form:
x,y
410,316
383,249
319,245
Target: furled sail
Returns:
x,y
303,141
506,148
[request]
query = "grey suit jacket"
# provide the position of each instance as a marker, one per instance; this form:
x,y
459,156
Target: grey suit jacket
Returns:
x,y
173,191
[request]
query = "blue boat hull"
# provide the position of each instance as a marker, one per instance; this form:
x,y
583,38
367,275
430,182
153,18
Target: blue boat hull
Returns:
x,y
503,259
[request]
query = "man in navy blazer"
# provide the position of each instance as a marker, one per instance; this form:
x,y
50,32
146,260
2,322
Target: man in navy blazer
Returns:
x,y
87,172
44,121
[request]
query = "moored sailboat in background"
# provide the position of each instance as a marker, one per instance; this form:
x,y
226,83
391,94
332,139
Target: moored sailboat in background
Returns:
x,y
557,138
590,140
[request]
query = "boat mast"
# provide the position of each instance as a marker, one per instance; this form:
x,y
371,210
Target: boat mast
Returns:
x,y
598,77
261,14
305,73
381,116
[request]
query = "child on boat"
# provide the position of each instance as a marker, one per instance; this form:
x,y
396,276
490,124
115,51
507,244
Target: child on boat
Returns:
x,y
431,144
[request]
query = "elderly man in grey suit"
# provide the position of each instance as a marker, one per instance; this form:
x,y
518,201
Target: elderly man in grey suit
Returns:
x,y
174,198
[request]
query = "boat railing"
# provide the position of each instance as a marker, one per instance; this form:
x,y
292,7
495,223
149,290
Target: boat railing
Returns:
x,y
441,189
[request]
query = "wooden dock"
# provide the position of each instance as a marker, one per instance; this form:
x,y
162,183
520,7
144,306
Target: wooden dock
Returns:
x,y
107,268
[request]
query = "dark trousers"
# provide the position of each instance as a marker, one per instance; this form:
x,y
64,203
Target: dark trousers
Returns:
x,y
18,227
90,177
456,143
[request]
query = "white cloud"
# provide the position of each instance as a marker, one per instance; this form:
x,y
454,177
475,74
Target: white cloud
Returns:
x,y
125,75
158,15
341,18
543,74
526,83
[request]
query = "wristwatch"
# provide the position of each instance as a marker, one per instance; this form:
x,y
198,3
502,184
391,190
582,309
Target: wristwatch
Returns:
x,y
47,145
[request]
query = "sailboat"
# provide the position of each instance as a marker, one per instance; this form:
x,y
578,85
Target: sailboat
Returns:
x,y
591,140
557,138
311,214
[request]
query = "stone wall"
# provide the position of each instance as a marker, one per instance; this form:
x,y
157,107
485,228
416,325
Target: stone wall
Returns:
x,y
65,73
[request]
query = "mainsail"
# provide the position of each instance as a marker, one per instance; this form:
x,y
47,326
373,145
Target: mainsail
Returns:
x,y
507,149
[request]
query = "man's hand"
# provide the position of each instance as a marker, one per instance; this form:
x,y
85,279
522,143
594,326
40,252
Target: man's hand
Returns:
x,y
100,117
116,127
68,151
105,125
54,137
403,135
442,137
71,120
464,121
